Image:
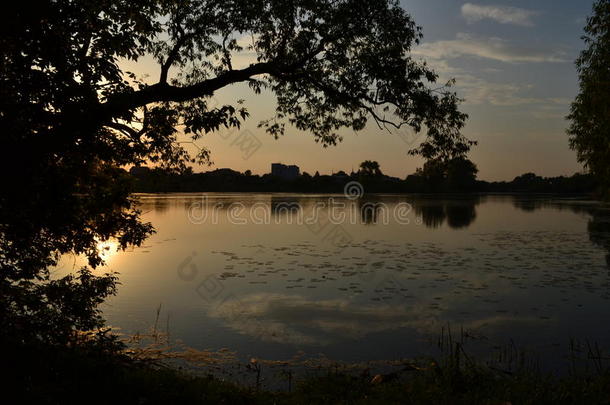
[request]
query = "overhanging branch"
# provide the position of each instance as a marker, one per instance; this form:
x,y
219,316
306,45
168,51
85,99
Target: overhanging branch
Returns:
x,y
163,92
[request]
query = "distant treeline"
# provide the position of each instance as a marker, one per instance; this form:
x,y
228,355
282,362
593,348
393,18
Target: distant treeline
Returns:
x,y
530,183
227,180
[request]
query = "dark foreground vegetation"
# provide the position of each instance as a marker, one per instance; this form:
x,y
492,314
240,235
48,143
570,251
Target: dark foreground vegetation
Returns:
x,y
227,180
93,374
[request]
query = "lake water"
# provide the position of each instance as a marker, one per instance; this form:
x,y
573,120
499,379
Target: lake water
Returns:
x,y
273,275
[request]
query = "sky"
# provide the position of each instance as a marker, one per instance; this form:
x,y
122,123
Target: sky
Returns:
x,y
514,66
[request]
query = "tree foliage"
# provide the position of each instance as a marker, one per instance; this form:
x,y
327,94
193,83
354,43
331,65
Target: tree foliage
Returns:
x,y
457,174
71,116
590,113
370,168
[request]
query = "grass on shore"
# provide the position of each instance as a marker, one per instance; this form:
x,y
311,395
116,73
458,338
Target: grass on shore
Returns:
x,y
42,375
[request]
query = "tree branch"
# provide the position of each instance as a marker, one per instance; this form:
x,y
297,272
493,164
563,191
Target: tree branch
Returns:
x,y
163,92
123,128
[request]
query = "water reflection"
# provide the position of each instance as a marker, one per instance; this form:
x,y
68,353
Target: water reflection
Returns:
x,y
283,207
530,204
371,210
599,231
433,215
598,225
517,268
459,213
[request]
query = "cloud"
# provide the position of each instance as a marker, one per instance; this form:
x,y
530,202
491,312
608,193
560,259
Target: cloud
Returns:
x,y
502,14
492,48
476,90
581,20
479,91
294,319
298,320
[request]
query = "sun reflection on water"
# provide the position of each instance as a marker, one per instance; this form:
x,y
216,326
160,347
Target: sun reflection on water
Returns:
x,y
108,249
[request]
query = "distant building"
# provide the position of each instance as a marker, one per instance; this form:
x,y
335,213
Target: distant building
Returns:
x,y
284,171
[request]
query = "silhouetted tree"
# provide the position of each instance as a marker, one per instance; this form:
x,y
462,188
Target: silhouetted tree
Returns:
x,y
370,168
433,173
70,115
527,182
590,114
461,174
456,174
